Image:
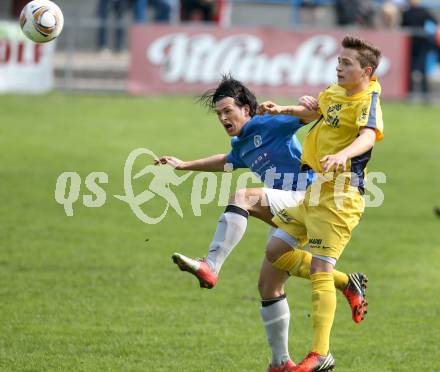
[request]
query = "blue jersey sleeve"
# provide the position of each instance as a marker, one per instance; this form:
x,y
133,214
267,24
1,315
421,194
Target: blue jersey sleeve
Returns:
x,y
279,124
283,124
234,157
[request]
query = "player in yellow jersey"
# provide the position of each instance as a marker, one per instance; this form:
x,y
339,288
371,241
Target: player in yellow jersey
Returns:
x,y
337,147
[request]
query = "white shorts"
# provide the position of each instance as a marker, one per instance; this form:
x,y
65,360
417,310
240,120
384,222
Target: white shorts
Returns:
x,y
280,199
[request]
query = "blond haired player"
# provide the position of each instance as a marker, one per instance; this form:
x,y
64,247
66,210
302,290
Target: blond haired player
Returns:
x,y
337,147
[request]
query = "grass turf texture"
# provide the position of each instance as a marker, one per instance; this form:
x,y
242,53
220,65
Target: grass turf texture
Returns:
x,y
98,291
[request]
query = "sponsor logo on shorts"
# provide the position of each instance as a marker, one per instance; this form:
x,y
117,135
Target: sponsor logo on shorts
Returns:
x,y
315,243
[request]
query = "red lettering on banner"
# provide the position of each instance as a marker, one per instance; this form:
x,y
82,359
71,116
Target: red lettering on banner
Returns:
x,y
5,51
38,51
20,52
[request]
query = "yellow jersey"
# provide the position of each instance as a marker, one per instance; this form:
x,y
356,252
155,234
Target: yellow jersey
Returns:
x,y
342,117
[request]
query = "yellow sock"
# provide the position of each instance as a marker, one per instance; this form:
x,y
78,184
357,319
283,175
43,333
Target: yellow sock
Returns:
x,y
323,310
340,279
297,262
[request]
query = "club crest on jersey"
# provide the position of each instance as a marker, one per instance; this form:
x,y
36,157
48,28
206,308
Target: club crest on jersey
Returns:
x,y
258,141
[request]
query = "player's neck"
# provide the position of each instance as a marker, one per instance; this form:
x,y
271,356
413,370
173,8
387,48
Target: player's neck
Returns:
x,y
363,85
242,126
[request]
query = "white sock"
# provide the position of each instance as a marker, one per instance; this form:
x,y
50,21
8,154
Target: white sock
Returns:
x,y
230,230
276,322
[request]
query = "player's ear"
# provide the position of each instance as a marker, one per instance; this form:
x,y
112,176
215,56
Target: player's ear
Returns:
x,y
247,109
368,71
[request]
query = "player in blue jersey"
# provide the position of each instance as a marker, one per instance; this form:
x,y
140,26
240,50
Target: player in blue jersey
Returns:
x,y
267,145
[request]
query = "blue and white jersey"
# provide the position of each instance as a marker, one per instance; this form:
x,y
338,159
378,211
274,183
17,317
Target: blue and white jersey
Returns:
x,y
267,145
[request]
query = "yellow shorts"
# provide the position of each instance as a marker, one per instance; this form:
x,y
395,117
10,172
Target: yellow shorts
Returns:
x,y
326,226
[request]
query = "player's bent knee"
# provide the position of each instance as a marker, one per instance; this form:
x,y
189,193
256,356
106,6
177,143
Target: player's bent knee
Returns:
x,y
272,255
322,264
238,198
249,199
275,249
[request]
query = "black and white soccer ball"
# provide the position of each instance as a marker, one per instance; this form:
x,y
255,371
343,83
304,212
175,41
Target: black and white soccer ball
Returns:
x,y
41,20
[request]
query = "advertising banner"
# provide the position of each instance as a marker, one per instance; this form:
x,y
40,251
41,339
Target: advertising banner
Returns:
x,y
191,59
25,67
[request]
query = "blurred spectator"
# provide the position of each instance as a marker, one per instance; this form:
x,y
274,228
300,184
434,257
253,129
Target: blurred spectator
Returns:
x,y
420,20
391,14
354,12
17,7
309,3
399,3
140,10
118,7
197,10
162,13
162,10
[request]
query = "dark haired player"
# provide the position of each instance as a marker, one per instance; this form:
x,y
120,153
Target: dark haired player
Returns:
x,y
262,143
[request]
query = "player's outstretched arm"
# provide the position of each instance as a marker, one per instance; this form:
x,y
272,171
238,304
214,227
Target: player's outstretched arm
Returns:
x,y
214,163
304,113
364,142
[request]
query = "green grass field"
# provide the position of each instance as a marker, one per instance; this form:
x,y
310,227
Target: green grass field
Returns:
x,y
98,291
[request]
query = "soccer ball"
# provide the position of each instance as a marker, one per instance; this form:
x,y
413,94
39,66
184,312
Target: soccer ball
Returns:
x,y
41,20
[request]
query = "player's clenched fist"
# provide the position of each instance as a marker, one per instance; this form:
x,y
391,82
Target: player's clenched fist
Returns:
x,y
171,160
269,108
309,102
